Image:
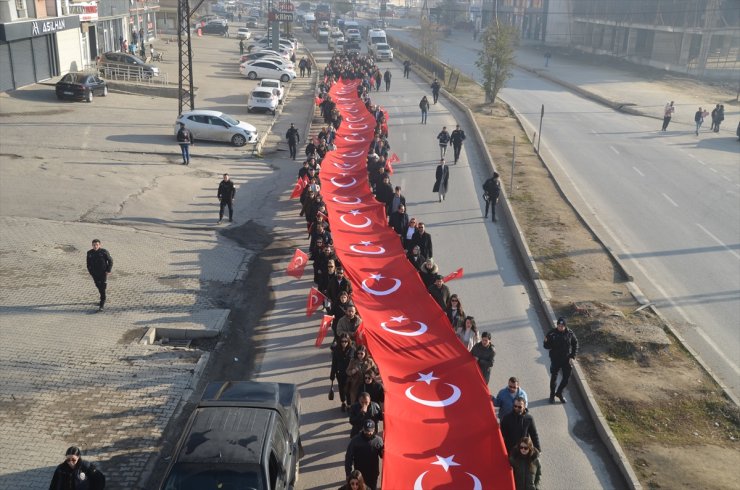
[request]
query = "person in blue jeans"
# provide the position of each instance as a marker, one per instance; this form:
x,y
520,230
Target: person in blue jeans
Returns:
x,y
699,119
424,106
184,140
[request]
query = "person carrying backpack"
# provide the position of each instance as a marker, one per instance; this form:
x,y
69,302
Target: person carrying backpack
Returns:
x,y
184,139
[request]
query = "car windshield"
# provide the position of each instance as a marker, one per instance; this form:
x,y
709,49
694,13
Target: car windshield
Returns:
x,y
261,95
71,78
229,119
225,477
265,83
383,46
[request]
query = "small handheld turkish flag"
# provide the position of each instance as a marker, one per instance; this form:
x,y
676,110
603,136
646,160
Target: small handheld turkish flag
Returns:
x,y
454,275
317,100
297,264
319,213
315,299
389,167
298,189
393,158
324,329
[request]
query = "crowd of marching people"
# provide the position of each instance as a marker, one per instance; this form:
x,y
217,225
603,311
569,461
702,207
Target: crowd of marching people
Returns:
x,y
357,376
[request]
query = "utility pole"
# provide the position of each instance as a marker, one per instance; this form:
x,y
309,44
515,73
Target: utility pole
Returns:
x,y
186,95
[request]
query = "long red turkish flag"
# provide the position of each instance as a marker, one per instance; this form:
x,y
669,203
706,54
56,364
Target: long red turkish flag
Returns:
x,y
440,426
297,264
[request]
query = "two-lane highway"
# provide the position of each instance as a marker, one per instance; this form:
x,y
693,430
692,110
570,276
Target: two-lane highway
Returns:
x,y
667,203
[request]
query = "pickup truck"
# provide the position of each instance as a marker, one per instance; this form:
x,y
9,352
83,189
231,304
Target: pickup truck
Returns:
x,y
243,434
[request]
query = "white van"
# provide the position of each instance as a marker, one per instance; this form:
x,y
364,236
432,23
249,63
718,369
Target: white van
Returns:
x,y
375,36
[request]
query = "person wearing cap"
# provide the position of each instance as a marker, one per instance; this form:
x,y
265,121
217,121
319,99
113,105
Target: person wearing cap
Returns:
x,y
563,346
484,353
439,291
363,453
74,473
491,193
362,410
456,138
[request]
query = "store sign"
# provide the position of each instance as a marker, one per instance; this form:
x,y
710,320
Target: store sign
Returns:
x,y
39,27
286,7
88,11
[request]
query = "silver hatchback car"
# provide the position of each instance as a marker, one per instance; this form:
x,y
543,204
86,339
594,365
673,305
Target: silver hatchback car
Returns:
x,y
217,126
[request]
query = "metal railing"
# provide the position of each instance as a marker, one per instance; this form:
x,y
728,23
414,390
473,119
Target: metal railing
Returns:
x,y
129,73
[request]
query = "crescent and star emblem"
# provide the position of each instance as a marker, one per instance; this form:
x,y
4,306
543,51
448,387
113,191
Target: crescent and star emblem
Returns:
x,y
380,250
357,126
354,140
355,212
345,165
446,463
351,183
299,260
384,292
352,119
340,200
353,154
398,319
428,378
314,299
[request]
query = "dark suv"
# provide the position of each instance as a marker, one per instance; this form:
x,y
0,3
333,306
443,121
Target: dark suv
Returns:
x,y
243,434
116,60
217,26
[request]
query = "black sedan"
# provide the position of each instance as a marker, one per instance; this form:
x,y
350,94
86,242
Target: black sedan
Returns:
x,y
81,86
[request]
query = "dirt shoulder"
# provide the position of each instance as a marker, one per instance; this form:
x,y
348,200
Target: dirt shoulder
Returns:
x,y
671,419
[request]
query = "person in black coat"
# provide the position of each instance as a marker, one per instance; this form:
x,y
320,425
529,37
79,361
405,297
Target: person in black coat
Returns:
x,y
363,453
442,179
423,240
372,387
415,257
341,354
226,193
491,193
384,191
99,265
563,346
337,285
517,424
484,353
399,220
76,474
293,139
456,138
363,409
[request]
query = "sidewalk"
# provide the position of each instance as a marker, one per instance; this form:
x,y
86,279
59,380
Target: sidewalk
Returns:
x,y
621,85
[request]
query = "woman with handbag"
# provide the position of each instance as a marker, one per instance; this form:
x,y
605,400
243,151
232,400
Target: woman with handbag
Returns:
x,y
342,354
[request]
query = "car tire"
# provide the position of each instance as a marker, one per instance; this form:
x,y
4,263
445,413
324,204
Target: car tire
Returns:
x,y
252,75
285,78
105,91
238,140
89,97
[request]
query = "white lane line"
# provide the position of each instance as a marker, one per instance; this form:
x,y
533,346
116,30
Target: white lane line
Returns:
x,y
713,170
400,121
669,199
700,161
638,171
593,131
727,178
405,157
614,149
403,136
720,242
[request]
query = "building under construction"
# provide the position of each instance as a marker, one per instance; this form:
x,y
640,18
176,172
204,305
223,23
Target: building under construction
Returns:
x,y
700,37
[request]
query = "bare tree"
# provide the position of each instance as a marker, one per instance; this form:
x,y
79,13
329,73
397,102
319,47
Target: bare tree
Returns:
x,y
427,37
496,59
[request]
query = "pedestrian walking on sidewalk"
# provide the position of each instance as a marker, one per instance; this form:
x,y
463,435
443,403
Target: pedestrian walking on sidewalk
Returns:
x,y
74,473
444,141
293,139
435,90
548,55
302,66
525,462
184,139
491,193
387,78
699,119
667,114
363,453
424,106
442,175
99,265
406,68
563,346
456,138
720,117
241,46
226,193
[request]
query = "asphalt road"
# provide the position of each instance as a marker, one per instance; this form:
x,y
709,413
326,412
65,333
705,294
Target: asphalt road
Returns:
x,y
492,290
668,204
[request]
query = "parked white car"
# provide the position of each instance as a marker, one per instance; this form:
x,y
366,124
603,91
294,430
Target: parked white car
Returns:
x,y
275,85
262,99
280,61
382,52
262,53
217,126
265,69
244,33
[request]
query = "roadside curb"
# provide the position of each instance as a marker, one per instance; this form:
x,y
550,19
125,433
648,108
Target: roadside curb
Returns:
x,y
543,296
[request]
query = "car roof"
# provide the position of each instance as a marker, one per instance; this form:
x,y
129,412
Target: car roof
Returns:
x,y
202,112
252,393
269,80
211,438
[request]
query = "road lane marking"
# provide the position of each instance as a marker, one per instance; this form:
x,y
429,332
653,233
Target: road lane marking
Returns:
x,y
721,243
727,178
700,161
405,157
713,170
614,149
638,171
403,135
669,199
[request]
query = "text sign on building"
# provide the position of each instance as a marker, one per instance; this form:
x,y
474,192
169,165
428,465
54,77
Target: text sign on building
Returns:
x,y
284,17
286,7
88,11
